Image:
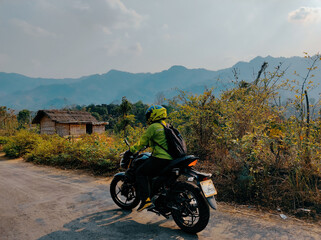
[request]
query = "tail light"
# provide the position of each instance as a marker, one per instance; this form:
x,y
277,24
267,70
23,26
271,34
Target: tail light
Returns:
x,y
192,163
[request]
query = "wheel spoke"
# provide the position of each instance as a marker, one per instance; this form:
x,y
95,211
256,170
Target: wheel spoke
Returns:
x,y
127,198
123,193
118,191
192,213
189,217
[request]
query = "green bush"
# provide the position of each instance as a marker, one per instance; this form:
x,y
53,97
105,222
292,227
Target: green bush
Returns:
x,y
11,149
21,143
47,149
3,140
98,153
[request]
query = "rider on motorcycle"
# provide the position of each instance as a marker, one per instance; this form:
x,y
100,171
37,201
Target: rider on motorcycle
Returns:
x,y
153,137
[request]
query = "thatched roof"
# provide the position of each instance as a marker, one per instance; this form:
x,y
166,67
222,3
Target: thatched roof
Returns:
x,y
60,116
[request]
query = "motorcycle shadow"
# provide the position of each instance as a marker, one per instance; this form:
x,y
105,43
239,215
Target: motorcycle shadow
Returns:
x,y
116,224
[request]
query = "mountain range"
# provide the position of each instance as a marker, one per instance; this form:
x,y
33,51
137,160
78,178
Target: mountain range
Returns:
x,y
21,92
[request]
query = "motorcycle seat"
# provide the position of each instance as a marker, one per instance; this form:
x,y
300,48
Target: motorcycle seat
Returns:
x,y
177,163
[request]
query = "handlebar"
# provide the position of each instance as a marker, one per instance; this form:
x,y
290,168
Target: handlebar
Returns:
x,y
126,141
135,154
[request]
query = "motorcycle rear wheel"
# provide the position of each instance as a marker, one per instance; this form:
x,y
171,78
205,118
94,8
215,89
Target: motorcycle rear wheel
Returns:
x,y
192,213
123,193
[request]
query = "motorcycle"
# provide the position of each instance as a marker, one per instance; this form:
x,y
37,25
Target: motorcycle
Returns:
x,y
178,191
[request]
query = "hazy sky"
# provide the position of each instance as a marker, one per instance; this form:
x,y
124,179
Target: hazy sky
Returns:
x,y
73,38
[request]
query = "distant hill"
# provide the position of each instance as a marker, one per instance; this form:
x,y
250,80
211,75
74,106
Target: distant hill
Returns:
x,y
19,92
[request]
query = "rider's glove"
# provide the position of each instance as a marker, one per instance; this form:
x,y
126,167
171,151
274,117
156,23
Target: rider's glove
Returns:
x,y
127,154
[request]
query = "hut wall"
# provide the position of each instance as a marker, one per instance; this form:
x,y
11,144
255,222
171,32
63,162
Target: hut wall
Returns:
x,y
99,129
47,126
77,129
62,129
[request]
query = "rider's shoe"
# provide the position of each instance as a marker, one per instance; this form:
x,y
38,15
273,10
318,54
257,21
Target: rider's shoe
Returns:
x,y
145,204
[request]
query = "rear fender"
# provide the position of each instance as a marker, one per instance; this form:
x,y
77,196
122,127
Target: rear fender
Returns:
x,y
120,174
212,202
198,177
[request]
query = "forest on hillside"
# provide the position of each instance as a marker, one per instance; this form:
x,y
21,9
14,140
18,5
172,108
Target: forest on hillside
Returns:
x,y
259,150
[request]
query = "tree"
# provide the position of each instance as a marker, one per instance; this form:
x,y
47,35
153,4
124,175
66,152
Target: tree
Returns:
x,y
125,106
126,119
160,98
24,117
302,105
8,121
139,110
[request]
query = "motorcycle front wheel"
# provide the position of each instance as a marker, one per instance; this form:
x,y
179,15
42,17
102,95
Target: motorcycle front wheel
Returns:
x,y
191,211
123,193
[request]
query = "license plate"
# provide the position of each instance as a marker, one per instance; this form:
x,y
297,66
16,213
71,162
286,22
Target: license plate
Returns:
x,y
208,188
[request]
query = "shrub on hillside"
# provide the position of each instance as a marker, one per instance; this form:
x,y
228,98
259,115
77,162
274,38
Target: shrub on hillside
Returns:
x,y
3,140
22,142
47,149
256,154
97,152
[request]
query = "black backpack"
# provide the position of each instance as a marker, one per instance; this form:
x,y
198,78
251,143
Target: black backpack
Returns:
x,y
175,142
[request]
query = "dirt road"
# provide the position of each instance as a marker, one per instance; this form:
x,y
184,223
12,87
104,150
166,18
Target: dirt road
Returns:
x,y
45,203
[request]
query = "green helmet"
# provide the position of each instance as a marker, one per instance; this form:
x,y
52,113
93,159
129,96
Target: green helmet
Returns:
x,y
155,113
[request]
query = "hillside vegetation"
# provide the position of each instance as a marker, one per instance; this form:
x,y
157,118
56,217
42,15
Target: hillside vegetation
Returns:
x,y
259,150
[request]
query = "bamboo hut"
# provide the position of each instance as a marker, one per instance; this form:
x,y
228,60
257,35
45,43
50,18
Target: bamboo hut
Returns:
x,y
67,123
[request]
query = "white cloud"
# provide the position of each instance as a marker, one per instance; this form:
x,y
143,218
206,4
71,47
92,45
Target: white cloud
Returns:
x,y
305,15
165,27
136,48
119,48
112,14
81,5
105,30
114,48
133,35
82,15
117,5
167,37
32,30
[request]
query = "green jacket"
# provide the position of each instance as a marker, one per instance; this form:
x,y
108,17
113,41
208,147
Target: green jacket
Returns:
x,y
154,133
